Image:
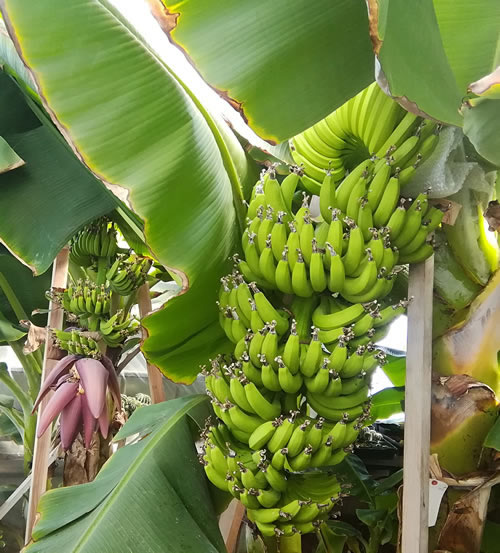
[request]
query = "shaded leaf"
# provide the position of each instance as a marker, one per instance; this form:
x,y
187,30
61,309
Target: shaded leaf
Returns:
x,y
8,332
29,290
481,124
389,483
353,470
342,528
142,499
371,517
493,437
491,538
415,64
51,196
386,403
269,58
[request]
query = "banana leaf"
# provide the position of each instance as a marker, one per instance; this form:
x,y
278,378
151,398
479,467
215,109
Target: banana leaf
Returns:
x,y
8,158
471,347
283,64
28,289
139,128
143,499
463,413
52,195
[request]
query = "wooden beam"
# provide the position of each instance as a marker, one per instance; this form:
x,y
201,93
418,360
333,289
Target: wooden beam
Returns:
x,y
230,524
42,444
156,390
415,512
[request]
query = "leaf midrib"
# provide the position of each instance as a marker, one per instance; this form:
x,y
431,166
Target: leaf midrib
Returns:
x,y
108,501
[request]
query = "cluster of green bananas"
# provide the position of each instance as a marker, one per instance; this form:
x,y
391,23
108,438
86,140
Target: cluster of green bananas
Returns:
x,y
243,306
278,504
305,307
352,249
250,390
115,330
95,240
77,342
357,323
86,299
125,276
369,126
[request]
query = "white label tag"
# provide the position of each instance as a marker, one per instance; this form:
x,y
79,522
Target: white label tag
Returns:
x,y
436,492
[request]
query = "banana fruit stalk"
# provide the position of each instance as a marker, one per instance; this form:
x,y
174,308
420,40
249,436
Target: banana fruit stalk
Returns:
x,y
305,306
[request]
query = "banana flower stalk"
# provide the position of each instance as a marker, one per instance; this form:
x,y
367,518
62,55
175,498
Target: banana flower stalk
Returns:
x,y
80,386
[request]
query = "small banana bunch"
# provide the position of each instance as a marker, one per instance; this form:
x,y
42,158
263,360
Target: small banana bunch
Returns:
x,y
359,324
370,125
352,249
86,299
126,276
278,505
243,306
95,240
77,342
114,330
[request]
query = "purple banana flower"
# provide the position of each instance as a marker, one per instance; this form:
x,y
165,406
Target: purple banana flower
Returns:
x,y
80,385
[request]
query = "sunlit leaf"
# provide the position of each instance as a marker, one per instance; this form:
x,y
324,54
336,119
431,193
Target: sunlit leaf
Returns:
x,y
283,63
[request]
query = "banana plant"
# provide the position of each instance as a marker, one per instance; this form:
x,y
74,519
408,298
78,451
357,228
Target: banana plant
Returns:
x,y
97,516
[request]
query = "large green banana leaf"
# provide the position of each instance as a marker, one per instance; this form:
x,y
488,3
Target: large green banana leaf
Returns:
x,y
139,129
143,500
284,64
432,51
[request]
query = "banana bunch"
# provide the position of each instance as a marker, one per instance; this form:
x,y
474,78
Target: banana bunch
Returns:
x,y
278,504
360,323
77,342
95,240
364,231
115,331
305,308
86,299
125,276
371,126
244,306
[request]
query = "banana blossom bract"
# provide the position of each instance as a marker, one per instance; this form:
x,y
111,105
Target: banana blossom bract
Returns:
x,y
80,385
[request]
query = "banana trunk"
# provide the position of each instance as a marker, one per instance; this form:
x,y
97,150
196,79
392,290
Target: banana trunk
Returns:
x,y
463,412
471,347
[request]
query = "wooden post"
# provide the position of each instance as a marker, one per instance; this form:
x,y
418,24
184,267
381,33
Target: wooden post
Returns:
x,y
156,389
42,444
415,512
230,524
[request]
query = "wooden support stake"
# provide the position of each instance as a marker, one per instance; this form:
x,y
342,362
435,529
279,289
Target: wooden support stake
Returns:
x,y
230,524
156,389
415,513
42,444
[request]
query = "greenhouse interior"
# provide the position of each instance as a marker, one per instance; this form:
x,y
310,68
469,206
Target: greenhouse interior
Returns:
x,y
249,276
